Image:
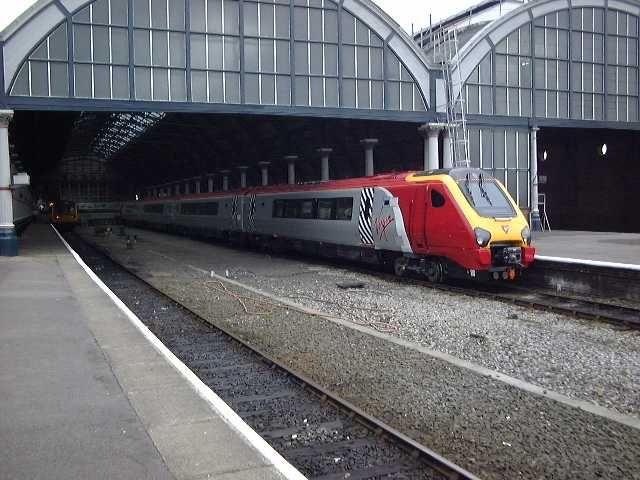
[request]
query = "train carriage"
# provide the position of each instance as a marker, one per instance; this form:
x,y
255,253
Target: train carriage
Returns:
x,y
458,222
212,215
64,215
23,207
311,216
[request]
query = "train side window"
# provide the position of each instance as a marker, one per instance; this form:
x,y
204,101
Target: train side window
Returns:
x,y
201,208
306,209
344,208
326,206
278,208
437,199
292,208
154,208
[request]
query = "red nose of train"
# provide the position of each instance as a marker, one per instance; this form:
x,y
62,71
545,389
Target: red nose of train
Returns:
x,y
528,255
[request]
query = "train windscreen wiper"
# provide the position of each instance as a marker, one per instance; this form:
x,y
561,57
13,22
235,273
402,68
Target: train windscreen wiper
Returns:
x,y
466,185
484,193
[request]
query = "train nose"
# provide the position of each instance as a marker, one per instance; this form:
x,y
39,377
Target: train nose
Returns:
x,y
509,255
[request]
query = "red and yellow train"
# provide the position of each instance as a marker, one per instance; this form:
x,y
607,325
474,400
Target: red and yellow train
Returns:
x,y
457,222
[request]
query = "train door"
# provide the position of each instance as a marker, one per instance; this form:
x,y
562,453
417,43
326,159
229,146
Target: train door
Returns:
x,y
439,213
418,211
237,203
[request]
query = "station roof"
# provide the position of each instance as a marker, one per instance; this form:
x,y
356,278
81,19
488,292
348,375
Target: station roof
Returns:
x,y
344,59
150,149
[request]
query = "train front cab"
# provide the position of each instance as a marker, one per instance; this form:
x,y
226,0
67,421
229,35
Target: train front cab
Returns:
x,y
64,215
467,217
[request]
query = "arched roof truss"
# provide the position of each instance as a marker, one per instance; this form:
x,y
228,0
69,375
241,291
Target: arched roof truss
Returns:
x,y
557,61
279,56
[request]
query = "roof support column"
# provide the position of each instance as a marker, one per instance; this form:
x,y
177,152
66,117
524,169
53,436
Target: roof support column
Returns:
x,y
324,163
368,144
187,188
264,170
243,176
210,184
291,168
8,239
225,179
431,132
536,224
197,185
447,150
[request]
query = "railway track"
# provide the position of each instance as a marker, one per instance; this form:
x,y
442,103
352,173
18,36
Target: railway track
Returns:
x,y
324,437
578,307
522,295
620,315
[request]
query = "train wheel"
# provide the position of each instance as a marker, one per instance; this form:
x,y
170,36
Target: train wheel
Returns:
x,y
400,266
434,271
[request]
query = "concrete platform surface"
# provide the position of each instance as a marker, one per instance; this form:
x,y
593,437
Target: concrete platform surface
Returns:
x,y
592,246
83,394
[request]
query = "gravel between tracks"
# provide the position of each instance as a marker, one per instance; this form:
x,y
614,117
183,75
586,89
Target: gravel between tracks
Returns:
x,y
490,428
582,359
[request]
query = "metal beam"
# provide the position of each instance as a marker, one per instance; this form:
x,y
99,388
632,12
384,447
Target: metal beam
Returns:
x,y
82,104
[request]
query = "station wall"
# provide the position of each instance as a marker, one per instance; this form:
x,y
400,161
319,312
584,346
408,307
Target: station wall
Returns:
x,y
585,189
505,153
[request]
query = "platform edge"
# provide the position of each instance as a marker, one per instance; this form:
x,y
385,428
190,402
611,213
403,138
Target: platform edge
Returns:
x,y
217,404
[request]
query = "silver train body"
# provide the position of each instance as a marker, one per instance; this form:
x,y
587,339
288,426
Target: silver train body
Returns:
x,y
99,213
260,216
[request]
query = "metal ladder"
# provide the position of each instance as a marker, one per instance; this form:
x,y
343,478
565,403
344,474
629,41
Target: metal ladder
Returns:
x,y
446,53
542,208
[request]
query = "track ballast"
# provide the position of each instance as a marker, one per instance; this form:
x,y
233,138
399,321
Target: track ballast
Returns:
x,y
321,435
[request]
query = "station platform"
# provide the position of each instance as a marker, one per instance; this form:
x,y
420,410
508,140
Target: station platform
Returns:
x,y
84,392
588,247
605,265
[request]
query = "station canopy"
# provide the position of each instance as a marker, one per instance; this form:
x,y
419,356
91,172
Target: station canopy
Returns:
x,y
283,57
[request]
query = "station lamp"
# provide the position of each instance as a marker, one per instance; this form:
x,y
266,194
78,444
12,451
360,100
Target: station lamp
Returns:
x,y
602,150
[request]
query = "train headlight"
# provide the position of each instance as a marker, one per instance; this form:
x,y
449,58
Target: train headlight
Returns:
x,y
482,236
526,235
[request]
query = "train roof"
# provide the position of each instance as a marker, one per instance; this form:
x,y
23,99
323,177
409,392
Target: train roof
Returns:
x,y
387,179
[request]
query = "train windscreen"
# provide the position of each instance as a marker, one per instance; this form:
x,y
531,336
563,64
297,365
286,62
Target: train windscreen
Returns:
x,y
483,193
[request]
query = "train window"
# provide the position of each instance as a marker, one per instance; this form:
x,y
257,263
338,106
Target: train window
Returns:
x,y
199,208
278,208
323,208
326,206
306,209
344,208
154,208
437,199
483,193
487,198
292,208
